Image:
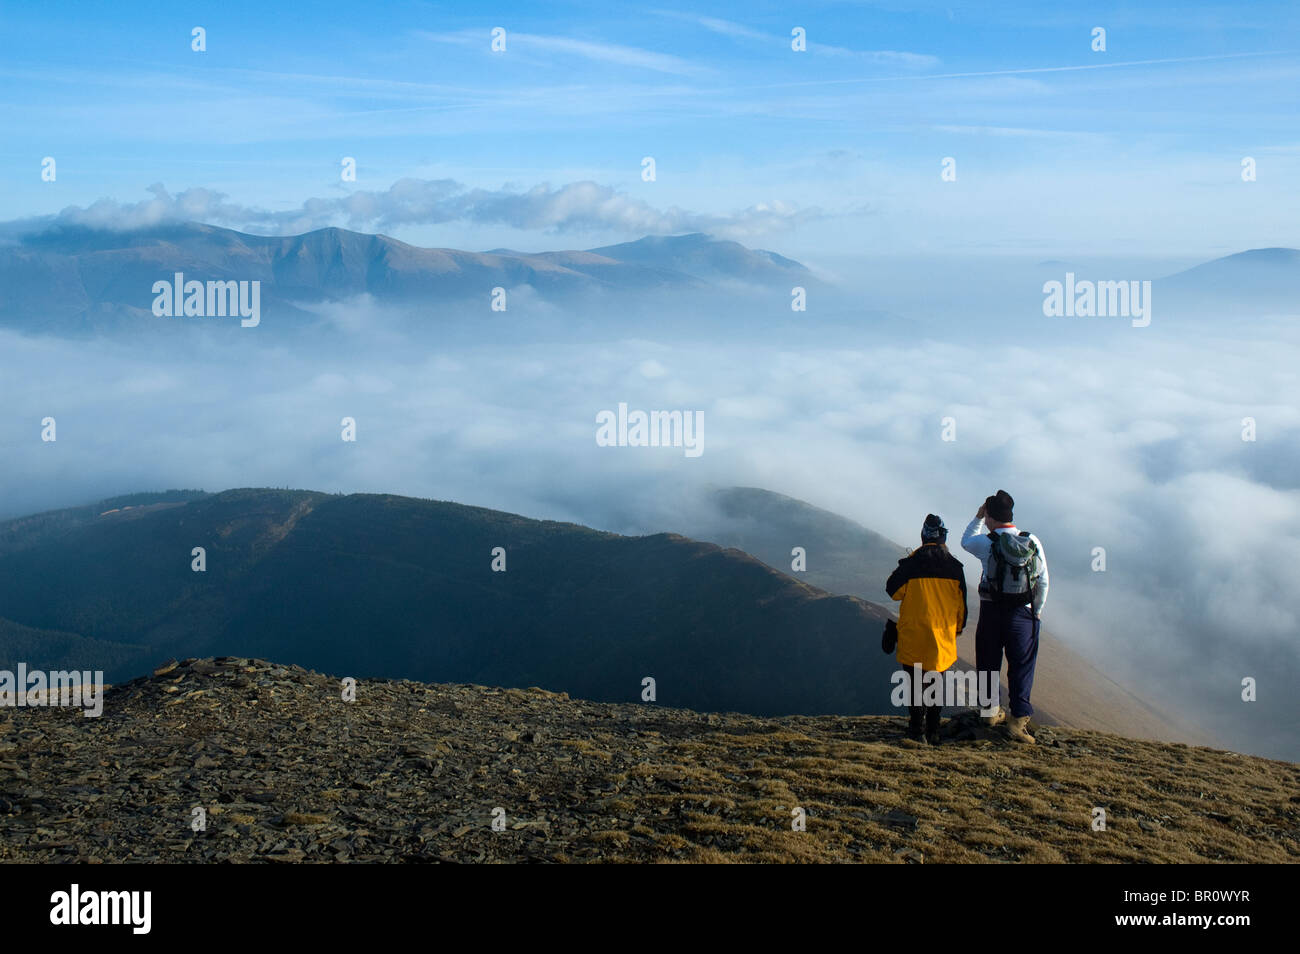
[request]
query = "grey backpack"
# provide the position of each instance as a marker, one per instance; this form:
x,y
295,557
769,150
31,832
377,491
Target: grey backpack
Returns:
x,y
1014,567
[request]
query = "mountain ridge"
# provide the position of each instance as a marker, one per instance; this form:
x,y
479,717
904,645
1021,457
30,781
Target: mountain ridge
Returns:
x,y
389,586
271,542
1248,282
69,274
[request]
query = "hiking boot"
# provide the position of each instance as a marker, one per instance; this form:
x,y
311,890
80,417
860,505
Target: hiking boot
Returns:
x,y
915,724
932,724
997,718
1018,729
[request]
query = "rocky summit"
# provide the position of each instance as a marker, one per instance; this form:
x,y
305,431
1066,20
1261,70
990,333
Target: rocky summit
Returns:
x,y
242,760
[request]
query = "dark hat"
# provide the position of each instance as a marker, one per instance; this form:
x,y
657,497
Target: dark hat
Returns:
x,y
933,531
999,506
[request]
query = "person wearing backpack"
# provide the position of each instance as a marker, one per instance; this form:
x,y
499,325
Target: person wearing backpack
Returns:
x,y
1013,591
930,585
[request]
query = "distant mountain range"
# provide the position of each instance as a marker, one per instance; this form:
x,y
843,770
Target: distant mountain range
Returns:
x,y
383,586
1258,280
77,278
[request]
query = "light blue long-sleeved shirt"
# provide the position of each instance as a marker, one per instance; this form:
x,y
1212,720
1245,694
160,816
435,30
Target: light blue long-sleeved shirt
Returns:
x,y
976,542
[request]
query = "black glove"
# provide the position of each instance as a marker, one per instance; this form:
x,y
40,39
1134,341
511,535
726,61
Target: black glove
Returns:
x,y
889,638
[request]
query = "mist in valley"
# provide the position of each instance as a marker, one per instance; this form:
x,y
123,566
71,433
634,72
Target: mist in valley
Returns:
x,y
883,401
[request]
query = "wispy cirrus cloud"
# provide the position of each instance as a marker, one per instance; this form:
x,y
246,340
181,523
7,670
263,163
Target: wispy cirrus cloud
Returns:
x,y
555,46
901,59
1016,132
717,25
728,28
1029,70
611,53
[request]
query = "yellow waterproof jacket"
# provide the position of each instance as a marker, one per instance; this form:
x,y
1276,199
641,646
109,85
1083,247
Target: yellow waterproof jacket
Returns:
x,y
931,585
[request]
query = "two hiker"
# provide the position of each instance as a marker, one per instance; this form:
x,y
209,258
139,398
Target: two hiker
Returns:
x,y
930,585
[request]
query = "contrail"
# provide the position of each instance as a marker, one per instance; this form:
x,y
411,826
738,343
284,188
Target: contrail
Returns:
x,y
1015,72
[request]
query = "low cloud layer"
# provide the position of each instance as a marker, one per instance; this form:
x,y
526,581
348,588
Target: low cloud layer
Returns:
x,y
575,207
1101,446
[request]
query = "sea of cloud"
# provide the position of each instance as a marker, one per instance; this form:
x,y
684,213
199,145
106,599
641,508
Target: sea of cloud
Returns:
x,y
1129,440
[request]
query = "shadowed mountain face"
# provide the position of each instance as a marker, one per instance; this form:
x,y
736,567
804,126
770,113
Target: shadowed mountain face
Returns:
x,y
841,556
71,279
375,586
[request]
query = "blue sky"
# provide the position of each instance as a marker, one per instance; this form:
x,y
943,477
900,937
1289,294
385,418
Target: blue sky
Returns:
x,y
1060,150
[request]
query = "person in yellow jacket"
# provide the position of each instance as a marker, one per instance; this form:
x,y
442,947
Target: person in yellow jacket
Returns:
x,y
930,585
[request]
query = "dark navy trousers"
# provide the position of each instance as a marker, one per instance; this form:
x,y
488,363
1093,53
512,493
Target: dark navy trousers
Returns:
x,y
1014,631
